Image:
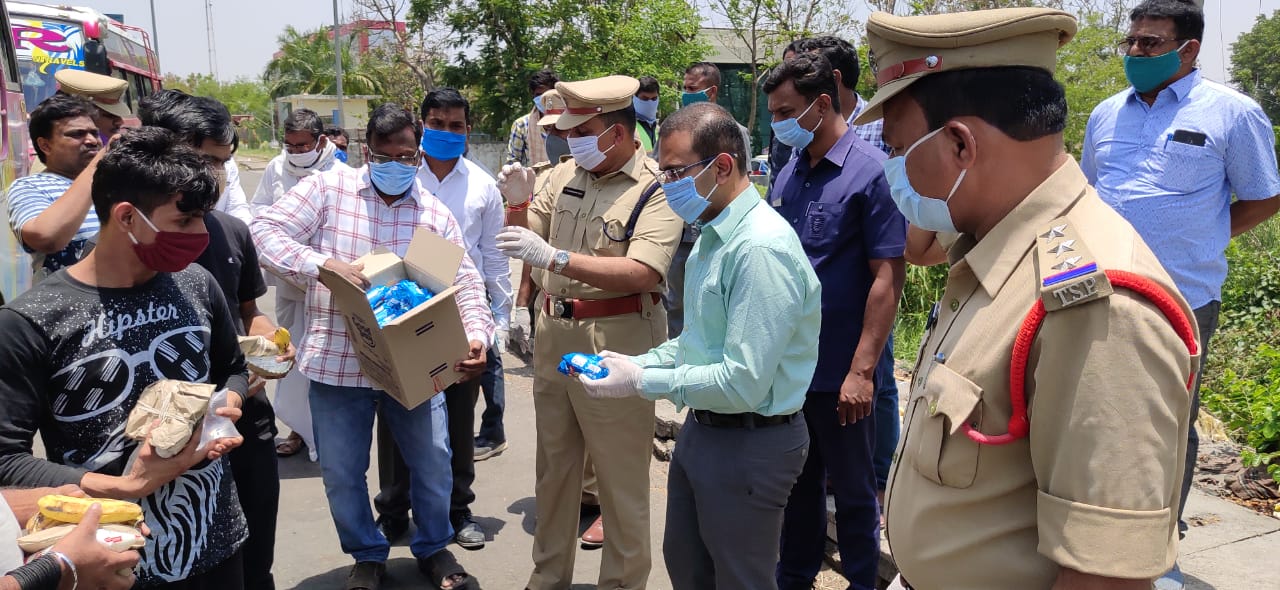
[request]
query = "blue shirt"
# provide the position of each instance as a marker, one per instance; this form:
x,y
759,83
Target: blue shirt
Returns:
x,y
29,196
844,216
752,313
1177,194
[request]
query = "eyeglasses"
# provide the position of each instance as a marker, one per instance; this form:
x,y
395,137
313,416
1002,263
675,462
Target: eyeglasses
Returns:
x,y
301,148
1145,43
674,174
383,158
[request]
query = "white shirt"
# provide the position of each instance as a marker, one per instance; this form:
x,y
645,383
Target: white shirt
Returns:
x,y
10,530
275,183
472,196
232,200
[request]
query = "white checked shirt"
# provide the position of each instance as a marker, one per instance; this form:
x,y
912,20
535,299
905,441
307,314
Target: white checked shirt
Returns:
x,y
338,214
473,198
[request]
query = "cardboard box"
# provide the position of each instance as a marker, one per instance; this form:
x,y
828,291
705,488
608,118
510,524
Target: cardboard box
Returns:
x,y
412,357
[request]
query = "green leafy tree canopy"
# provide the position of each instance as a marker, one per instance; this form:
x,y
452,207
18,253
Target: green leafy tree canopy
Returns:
x,y
1255,68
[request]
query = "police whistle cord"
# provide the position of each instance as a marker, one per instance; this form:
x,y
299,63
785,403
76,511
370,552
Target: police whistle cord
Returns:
x,y
1019,425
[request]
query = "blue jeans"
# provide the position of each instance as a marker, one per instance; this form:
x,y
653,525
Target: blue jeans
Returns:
x,y
495,401
343,422
886,415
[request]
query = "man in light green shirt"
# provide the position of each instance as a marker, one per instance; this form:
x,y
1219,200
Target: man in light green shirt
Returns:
x,y
742,364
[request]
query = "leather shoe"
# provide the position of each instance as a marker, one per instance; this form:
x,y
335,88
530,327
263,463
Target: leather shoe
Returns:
x,y
393,527
469,535
594,535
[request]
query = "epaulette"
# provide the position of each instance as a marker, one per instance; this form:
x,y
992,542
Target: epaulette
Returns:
x,y
1067,272
652,166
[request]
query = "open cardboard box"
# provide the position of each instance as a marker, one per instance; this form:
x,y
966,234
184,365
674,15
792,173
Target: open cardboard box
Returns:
x,y
412,357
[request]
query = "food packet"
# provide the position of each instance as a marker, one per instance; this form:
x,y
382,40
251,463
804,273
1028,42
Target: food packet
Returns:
x,y
588,364
392,301
260,354
168,411
215,426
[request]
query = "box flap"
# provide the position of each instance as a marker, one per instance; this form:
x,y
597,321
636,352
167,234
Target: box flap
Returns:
x,y
382,267
436,256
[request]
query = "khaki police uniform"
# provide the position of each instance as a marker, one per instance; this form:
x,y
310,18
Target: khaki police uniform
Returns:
x,y
1095,485
578,211
105,92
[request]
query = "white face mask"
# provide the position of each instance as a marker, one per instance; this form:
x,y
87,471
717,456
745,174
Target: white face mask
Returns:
x,y
586,152
303,160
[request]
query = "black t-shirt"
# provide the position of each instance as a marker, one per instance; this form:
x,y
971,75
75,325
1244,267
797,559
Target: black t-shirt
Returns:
x,y
232,259
73,361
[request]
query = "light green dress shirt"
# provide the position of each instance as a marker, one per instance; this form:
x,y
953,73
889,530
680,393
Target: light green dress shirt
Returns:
x,y
752,315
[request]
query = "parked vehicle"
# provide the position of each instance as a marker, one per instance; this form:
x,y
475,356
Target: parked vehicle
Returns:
x,y
15,265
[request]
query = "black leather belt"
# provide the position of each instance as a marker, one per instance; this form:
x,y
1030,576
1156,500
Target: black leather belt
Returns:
x,y
749,420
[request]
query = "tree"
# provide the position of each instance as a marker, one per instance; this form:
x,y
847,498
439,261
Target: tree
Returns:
x,y
1255,63
304,65
406,61
1091,70
242,96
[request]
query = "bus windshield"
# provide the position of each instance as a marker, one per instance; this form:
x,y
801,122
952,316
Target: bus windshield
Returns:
x,y
43,47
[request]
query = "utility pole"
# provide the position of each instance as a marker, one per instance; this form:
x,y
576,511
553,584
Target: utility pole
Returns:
x,y
155,32
208,26
337,64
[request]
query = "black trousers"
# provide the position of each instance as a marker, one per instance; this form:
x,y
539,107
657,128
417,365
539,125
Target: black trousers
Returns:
x,y
228,575
257,475
393,475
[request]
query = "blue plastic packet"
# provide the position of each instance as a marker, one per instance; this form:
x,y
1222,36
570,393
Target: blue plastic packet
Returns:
x,y
587,364
392,301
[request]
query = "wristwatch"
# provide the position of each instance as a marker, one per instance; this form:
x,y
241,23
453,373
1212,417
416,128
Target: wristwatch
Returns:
x,y
559,261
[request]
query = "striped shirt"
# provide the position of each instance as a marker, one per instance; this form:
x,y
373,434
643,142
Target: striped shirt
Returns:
x,y
29,196
338,214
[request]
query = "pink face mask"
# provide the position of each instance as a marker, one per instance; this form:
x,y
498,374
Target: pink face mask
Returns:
x,y
171,251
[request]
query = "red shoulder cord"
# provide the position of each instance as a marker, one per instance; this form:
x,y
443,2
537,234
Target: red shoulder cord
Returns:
x,y
1019,425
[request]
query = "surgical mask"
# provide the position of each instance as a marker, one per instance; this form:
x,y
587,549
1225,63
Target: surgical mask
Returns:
x,y
303,160
392,178
646,110
920,211
586,153
789,131
556,148
1148,73
537,103
688,98
684,199
443,145
171,251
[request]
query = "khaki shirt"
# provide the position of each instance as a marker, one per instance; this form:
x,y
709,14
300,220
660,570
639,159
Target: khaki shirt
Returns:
x,y
572,209
1095,486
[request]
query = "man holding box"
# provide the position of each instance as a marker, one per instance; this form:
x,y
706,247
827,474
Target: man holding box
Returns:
x,y
329,220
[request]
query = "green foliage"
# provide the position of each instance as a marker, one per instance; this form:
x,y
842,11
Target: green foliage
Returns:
x,y
242,96
1254,67
509,40
305,65
924,286
1250,407
1090,70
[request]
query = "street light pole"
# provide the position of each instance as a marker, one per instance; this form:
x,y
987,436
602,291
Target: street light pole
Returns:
x,y
337,63
155,32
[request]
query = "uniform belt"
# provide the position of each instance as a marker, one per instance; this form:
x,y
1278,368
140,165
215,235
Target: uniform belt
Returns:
x,y
748,420
585,309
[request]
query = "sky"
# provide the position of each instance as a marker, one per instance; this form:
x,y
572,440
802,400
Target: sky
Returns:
x,y
245,31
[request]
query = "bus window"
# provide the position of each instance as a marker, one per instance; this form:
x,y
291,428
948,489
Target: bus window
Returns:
x,y
139,86
10,54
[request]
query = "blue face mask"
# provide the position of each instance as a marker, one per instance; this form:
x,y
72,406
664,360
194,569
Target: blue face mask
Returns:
x,y
340,155
688,98
646,110
537,103
683,197
392,178
1148,73
789,131
443,145
920,211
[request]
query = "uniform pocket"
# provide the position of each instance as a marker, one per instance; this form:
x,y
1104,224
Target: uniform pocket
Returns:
x,y
1187,168
563,220
608,234
939,451
822,223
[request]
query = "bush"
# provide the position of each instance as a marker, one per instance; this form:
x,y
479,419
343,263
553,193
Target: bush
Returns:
x,y
1250,408
923,287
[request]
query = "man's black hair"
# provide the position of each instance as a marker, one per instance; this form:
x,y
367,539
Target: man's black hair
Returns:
x,y
795,46
707,70
842,56
1023,102
304,120
812,75
542,79
193,118
390,119
712,130
1188,19
648,84
624,117
148,167
446,98
336,132
53,109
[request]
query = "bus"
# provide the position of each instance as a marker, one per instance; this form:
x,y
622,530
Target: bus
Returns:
x,y
15,265
51,38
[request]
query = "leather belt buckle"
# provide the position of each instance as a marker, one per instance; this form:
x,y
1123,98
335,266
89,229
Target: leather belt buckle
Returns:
x,y
561,307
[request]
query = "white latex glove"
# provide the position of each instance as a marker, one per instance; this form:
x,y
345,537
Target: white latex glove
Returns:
x,y
623,379
522,243
500,342
515,182
521,327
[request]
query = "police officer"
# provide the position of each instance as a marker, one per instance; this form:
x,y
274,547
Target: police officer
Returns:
x,y
601,276
1040,450
107,94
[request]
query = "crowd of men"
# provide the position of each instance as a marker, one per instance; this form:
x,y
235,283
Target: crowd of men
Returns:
x,y
1050,449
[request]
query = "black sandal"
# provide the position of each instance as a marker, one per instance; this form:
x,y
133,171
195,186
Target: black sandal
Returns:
x,y
443,567
366,575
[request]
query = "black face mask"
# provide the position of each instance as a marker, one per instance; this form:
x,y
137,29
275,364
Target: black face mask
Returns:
x,y
556,147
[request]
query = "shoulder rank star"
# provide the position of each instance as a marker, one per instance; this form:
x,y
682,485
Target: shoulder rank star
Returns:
x,y
1068,264
1054,233
1063,248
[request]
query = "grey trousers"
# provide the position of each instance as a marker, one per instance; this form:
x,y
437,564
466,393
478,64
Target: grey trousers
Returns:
x,y
726,494
1207,322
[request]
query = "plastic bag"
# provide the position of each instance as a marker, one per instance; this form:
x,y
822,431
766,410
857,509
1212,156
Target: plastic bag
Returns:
x,y
392,301
588,364
215,426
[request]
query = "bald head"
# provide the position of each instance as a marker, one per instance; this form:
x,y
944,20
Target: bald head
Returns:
x,y
712,130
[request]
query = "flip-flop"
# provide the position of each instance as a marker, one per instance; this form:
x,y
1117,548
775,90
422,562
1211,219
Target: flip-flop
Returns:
x,y
441,567
290,446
